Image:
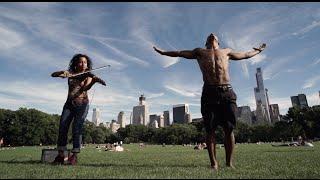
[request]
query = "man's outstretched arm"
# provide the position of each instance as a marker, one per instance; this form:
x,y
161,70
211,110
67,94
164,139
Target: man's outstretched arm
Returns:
x,y
246,55
185,53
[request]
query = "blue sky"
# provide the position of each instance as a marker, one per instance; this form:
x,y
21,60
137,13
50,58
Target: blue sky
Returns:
x,y
37,39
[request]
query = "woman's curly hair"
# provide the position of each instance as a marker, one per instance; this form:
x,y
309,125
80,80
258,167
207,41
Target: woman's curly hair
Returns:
x,y
75,59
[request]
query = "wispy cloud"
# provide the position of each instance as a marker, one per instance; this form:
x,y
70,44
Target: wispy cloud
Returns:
x,y
151,96
313,99
245,69
317,61
125,55
143,35
105,41
257,59
9,38
240,36
56,31
308,28
30,41
181,91
278,64
112,39
106,96
47,97
292,70
169,61
311,82
250,28
144,27
35,91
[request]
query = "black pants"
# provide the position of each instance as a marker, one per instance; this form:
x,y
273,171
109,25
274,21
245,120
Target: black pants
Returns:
x,y
218,107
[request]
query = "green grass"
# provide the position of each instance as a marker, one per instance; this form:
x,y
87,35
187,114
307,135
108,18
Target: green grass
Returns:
x,y
155,161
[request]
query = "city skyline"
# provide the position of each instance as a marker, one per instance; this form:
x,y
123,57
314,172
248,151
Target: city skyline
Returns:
x,y
39,38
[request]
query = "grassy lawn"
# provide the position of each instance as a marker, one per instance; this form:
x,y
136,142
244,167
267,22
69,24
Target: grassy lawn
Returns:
x,y
155,161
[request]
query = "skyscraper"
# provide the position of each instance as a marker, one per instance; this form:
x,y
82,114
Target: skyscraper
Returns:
x,y
262,100
96,116
152,118
244,114
303,100
299,101
166,118
121,119
161,120
295,101
274,113
141,112
114,126
187,118
180,112
130,118
154,124
108,124
156,121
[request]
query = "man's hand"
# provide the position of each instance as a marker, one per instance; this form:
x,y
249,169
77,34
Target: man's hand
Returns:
x,y
261,48
159,51
98,80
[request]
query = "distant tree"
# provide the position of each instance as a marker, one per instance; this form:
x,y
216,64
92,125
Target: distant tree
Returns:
x,y
201,133
242,132
98,135
315,119
261,133
9,129
88,128
51,129
281,131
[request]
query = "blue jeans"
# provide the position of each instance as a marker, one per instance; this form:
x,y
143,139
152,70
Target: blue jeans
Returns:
x,y
78,114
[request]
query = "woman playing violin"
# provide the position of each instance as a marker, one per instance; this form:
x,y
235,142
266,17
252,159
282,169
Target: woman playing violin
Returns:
x,y
77,105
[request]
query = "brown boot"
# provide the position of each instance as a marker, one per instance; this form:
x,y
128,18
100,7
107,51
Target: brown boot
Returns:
x,y
58,160
72,160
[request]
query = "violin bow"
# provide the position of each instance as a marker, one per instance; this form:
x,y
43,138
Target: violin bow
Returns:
x,y
78,74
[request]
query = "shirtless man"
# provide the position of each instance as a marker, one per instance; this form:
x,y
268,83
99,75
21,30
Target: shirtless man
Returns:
x,y
218,100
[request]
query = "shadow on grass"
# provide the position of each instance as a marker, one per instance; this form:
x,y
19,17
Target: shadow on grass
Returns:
x,y
105,164
22,162
141,165
289,149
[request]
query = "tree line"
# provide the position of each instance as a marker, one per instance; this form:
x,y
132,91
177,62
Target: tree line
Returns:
x,y
33,127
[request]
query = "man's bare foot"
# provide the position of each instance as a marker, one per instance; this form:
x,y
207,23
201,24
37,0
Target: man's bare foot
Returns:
x,y
230,166
214,168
